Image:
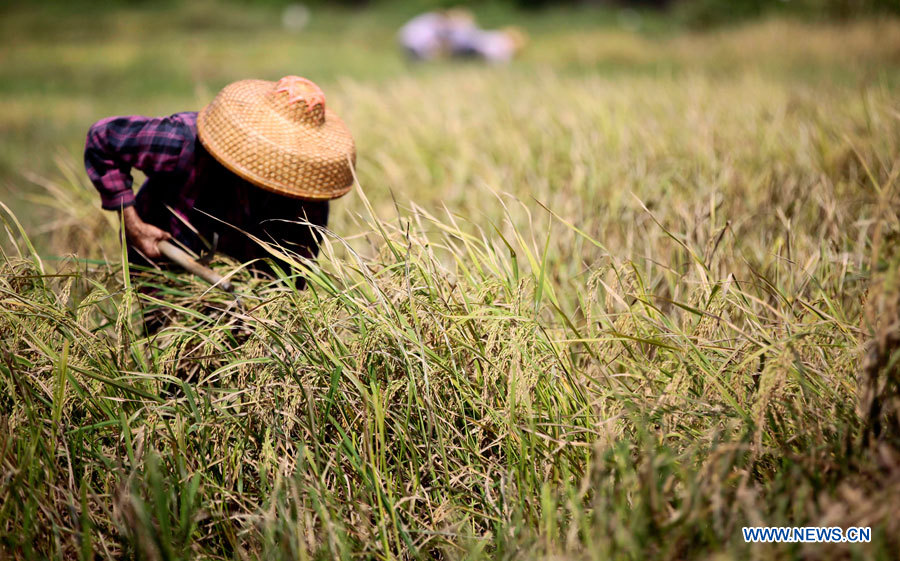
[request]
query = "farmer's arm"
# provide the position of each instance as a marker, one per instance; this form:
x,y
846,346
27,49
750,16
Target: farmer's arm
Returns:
x,y
117,144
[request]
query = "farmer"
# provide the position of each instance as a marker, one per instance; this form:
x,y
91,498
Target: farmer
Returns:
x,y
428,36
455,33
494,46
263,160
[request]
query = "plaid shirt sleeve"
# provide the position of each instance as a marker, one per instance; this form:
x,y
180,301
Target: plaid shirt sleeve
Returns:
x,y
117,144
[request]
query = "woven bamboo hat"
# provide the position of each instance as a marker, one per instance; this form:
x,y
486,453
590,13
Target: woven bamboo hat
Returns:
x,y
281,137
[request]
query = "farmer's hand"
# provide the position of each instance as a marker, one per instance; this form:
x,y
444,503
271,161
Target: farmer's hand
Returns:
x,y
142,236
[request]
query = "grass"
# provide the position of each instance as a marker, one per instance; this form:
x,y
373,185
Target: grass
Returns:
x,y
617,300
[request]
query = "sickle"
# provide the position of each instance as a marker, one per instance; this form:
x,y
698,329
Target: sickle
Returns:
x,y
178,256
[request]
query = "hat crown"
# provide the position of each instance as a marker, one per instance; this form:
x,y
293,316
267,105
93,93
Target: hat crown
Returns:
x,y
299,100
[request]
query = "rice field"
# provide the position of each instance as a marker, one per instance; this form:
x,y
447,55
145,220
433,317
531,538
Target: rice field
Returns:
x,y
620,299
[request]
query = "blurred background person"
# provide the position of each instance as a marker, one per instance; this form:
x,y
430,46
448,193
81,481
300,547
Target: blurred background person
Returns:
x,y
500,45
431,35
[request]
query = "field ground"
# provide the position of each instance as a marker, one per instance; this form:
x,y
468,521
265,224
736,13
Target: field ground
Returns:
x,y
617,300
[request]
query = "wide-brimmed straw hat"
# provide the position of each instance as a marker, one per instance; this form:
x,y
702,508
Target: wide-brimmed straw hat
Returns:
x,y
281,137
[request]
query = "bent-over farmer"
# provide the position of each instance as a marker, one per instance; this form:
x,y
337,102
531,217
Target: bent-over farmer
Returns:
x,y
260,159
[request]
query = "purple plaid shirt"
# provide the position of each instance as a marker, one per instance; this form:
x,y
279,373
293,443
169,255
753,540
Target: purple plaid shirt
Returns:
x,y
183,180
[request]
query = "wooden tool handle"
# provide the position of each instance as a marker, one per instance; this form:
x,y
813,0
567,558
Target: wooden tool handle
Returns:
x,y
176,255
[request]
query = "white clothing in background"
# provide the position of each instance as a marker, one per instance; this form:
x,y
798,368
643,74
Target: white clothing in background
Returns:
x,y
423,36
